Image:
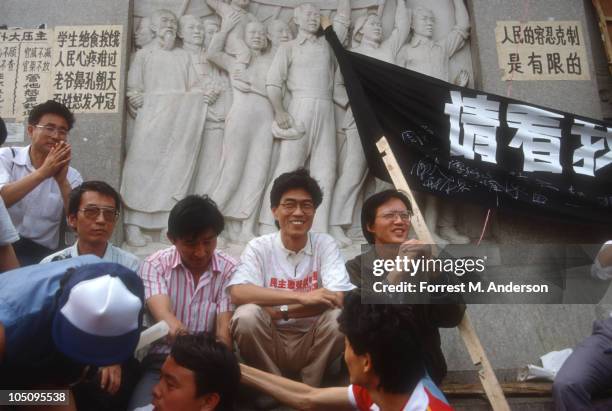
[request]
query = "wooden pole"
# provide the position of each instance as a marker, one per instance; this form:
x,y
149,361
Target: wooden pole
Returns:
x,y
489,382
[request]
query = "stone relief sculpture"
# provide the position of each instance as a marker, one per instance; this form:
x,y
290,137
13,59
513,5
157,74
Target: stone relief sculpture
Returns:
x,y
367,39
194,132
306,66
216,84
247,143
170,118
427,56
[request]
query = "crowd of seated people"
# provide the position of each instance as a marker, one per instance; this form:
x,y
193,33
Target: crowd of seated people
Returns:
x,y
289,307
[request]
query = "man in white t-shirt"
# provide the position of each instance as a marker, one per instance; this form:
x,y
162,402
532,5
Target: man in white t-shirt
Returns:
x,y
289,287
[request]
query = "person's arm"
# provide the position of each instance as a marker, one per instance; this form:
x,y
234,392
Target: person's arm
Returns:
x,y
276,78
296,394
160,307
342,20
215,52
61,178
8,259
254,294
462,18
459,34
222,329
56,160
403,20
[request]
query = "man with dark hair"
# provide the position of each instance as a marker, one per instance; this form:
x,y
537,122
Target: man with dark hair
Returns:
x,y
200,374
385,221
185,285
93,209
289,287
8,234
36,180
384,358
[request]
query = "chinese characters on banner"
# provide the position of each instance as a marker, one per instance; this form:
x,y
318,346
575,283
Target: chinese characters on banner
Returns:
x,y
25,70
86,68
541,50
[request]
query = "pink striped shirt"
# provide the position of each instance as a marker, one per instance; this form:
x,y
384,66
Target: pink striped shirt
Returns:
x,y
195,305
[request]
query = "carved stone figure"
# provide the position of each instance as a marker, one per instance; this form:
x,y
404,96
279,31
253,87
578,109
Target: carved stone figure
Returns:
x,y
216,86
368,40
306,66
278,32
159,165
143,35
247,143
430,57
234,44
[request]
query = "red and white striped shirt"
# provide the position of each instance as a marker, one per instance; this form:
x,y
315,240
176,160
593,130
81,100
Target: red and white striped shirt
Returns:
x,y
196,306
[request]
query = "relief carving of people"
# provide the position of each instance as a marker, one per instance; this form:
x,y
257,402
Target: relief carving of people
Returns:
x,y
170,117
427,56
247,143
368,40
306,67
224,117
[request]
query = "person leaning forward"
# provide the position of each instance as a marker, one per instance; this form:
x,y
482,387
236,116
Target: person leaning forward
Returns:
x,y
36,180
289,287
385,220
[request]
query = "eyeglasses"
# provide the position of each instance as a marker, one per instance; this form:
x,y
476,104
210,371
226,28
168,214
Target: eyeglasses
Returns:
x,y
108,213
290,206
392,215
51,130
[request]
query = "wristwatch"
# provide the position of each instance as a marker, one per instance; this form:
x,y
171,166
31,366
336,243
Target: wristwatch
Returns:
x,y
284,309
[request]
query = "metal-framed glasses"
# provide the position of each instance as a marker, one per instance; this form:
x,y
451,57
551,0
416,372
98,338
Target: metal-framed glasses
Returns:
x,y
51,130
392,215
290,206
109,214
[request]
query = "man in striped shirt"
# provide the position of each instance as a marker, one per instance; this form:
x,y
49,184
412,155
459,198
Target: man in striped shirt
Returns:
x,y
185,285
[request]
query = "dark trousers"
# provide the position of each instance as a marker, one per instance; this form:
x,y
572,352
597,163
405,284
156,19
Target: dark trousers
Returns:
x,y
587,372
29,252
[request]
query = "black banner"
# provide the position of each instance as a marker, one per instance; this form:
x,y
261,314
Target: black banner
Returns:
x,y
464,144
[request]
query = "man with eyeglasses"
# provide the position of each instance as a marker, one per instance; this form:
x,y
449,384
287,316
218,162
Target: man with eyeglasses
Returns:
x,y
36,180
289,287
93,209
385,221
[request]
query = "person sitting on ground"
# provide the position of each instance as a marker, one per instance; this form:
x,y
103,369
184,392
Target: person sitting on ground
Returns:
x,y
8,234
185,284
59,319
93,209
385,221
200,374
289,287
384,358
36,180
588,370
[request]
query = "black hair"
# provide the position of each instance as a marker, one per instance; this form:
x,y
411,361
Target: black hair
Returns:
x,y
370,206
299,178
74,199
51,107
3,132
214,366
388,332
192,216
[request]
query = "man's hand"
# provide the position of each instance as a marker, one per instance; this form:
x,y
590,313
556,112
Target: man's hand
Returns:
x,y
414,249
176,327
55,162
284,120
325,21
321,296
110,378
